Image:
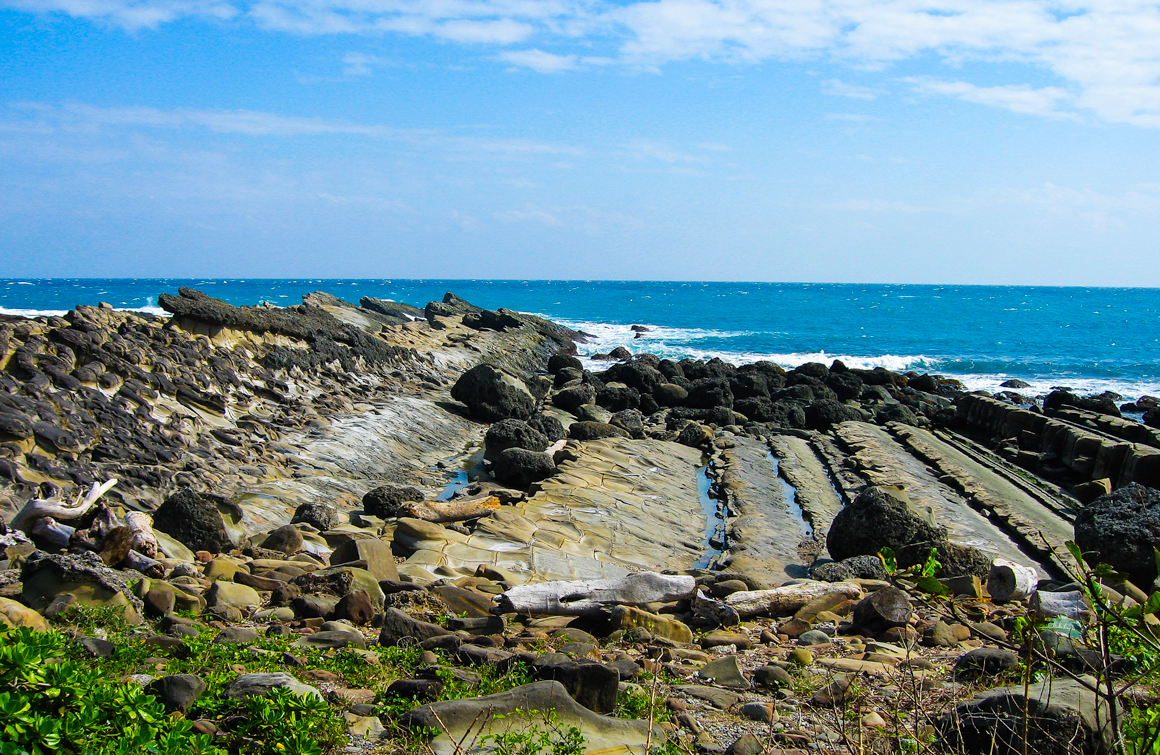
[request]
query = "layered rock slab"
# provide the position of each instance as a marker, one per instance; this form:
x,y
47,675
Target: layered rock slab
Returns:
x,y
620,506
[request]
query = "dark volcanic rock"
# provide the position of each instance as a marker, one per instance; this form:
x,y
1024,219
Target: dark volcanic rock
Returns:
x,y
548,426
858,567
520,468
512,433
321,516
558,362
385,500
710,392
330,338
493,395
1102,404
595,431
195,520
572,398
1121,529
822,415
876,519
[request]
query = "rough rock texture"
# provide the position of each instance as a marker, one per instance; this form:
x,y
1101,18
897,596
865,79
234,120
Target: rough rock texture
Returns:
x,y
527,707
513,433
1121,529
1065,719
385,500
876,519
520,468
493,395
195,520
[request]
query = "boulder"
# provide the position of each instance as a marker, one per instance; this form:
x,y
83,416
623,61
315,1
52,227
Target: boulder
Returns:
x,y
857,567
320,516
1058,716
617,398
232,594
548,426
45,576
385,500
249,685
13,614
399,628
572,398
670,394
286,539
520,468
822,415
595,431
1121,529
882,610
512,433
528,707
177,692
708,393
878,518
593,685
493,395
373,553
195,520
558,362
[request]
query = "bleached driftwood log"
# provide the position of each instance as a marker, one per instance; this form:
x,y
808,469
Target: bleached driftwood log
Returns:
x,y
142,563
775,602
1008,580
143,540
450,511
587,597
48,530
26,518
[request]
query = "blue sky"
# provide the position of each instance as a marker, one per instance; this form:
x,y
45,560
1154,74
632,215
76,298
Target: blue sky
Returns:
x,y
925,141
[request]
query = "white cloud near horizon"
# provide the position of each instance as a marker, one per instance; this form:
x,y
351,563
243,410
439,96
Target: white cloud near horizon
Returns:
x,y
1102,55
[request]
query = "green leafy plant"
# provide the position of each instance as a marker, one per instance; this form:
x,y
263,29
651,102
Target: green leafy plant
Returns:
x,y
52,704
920,577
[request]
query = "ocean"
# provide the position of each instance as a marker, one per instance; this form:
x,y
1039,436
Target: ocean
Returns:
x,y
1088,339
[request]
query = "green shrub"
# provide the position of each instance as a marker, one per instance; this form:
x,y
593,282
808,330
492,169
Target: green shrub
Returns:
x,y
51,704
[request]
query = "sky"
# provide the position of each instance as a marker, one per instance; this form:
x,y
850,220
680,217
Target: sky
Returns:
x,y
902,141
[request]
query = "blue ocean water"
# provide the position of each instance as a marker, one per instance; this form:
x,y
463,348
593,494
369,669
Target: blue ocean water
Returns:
x,y
1090,339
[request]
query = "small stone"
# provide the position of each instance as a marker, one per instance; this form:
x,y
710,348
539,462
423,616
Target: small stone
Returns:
x,y
873,720
835,693
368,727
724,671
794,627
939,635
236,636
772,677
762,712
985,662
746,744
15,614
178,691
727,587
721,638
812,638
800,657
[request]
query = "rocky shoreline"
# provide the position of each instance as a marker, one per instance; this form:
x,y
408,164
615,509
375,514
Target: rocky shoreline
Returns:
x,y
339,474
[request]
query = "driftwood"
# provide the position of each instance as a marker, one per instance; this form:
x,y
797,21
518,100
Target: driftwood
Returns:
x,y
59,510
1009,581
143,540
48,530
776,602
588,597
450,511
142,563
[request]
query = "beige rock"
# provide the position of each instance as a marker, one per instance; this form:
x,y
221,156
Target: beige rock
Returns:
x,y
16,614
233,594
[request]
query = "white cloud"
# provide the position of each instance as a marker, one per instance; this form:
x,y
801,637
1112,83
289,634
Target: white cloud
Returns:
x,y
538,60
1018,98
839,88
1104,55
